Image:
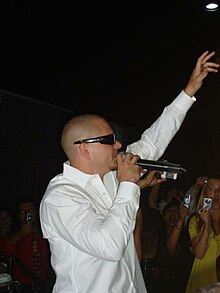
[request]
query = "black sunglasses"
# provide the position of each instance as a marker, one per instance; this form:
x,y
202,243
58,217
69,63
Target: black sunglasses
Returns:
x,y
106,139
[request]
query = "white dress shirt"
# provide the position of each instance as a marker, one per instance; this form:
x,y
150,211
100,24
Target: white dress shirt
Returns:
x,y
89,222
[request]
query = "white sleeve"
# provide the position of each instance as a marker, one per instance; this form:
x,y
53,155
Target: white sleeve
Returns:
x,y
157,137
75,220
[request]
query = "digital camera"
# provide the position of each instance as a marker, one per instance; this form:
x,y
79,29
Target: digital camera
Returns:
x,y
29,217
186,200
207,203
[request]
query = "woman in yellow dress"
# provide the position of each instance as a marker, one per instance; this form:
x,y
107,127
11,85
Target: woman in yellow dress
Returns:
x,y
204,229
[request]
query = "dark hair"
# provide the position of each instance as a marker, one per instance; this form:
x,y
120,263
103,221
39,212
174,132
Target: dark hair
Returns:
x,y
152,217
25,199
172,203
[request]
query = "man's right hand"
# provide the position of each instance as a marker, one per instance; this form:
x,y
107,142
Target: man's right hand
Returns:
x,y
128,170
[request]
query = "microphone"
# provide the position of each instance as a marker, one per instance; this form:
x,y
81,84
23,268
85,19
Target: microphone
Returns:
x,y
170,169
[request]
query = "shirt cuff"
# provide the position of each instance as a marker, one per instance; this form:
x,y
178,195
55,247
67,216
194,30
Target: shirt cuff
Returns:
x,y
184,101
129,191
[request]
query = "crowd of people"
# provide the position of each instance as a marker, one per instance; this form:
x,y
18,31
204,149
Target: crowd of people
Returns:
x,y
24,252
175,255
166,242
103,225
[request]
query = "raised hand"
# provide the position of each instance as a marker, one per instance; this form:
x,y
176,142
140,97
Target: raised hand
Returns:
x,y
201,70
204,215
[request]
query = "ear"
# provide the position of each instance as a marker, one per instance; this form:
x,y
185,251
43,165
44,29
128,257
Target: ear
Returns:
x,y
84,150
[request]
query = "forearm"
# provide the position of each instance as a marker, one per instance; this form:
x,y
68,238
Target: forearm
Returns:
x,y
173,244
153,196
200,246
156,138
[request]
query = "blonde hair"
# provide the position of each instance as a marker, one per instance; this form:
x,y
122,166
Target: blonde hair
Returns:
x,y
204,190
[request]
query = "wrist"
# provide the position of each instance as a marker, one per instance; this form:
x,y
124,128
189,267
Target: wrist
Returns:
x,y
178,227
179,224
190,93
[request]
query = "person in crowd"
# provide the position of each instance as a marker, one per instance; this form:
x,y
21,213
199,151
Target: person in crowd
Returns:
x,y
153,233
168,265
150,179
163,271
160,195
170,215
6,221
194,192
27,247
179,246
88,212
204,229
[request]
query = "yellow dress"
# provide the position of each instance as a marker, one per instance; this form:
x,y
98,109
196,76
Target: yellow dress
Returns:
x,y
203,271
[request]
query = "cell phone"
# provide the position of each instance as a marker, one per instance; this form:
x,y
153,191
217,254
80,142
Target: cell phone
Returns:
x,y
207,203
29,216
186,200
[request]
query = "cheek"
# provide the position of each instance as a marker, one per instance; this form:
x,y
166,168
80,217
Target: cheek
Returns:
x,y
210,194
106,154
216,203
22,219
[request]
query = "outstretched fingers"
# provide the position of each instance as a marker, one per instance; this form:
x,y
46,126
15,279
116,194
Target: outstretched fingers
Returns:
x,y
211,66
205,57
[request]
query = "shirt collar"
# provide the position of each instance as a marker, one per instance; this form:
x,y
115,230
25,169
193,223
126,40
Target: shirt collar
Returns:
x,y
82,178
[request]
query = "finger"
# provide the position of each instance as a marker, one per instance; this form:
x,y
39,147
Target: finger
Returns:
x,y
212,69
210,64
121,156
129,156
135,158
205,56
161,180
200,59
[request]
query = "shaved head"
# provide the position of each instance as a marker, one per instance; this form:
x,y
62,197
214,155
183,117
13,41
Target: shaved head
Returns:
x,y
82,127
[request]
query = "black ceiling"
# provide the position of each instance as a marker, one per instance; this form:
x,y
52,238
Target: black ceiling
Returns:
x,y
122,59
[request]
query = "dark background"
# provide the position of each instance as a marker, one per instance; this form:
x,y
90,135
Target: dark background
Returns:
x,y
124,60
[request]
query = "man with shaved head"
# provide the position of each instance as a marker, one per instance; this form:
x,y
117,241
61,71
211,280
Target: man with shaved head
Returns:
x,y
88,212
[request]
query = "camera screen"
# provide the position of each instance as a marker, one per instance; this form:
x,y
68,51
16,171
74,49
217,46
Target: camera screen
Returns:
x,y
207,203
186,200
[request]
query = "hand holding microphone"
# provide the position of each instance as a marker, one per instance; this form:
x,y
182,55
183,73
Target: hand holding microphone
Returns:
x,y
131,166
128,169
